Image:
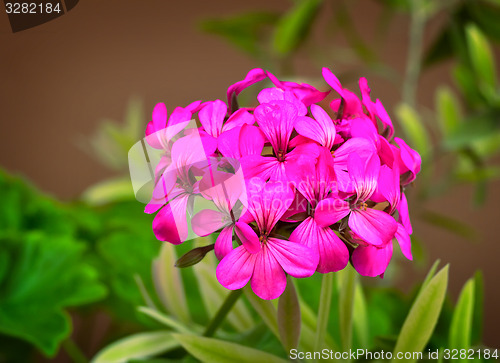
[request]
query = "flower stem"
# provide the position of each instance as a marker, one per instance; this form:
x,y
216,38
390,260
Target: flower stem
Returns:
x,y
323,311
222,312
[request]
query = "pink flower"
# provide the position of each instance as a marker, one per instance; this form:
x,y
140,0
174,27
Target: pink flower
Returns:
x,y
264,258
332,179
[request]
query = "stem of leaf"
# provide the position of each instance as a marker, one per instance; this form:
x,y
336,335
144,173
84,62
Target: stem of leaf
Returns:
x,y
323,311
222,312
73,351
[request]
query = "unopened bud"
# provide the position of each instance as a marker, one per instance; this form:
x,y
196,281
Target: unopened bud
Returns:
x,y
194,256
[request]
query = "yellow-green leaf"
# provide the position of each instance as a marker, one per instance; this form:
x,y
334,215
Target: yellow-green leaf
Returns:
x,y
138,346
210,350
422,318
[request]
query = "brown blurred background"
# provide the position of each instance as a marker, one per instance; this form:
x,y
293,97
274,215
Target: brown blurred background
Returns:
x,y
61,79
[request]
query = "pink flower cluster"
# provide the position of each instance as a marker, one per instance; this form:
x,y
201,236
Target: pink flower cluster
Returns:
x,y
296,187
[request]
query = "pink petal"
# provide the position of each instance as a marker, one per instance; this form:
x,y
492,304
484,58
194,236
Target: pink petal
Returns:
x,y
236,268
404,214
370,260
254,76
251,140
170,223
248,237
239,118
333,253
208,221
385,119
404,241
269,279
373,226
212,116
320,128
276,120
224,243
160,116
330,211
295,258
227,143
263,167
410,159
360,146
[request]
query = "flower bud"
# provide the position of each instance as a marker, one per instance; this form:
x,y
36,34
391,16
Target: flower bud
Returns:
x,y
194,256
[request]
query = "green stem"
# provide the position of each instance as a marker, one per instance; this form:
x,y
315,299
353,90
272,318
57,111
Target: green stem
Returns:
x,y
346,307
73,351
323,311
417,23
222,313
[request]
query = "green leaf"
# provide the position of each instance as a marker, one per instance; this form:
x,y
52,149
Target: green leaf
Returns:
x,y
422,318
477,321
461,323
414,129
430,274
165,319
448,109
481,58
246,31
46,275
210,350
347,284
124,255
142,345
168,283
289,319
294,26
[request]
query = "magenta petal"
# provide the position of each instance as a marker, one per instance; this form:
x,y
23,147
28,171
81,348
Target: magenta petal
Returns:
x,y
160,116
254,76
261,166
212,116
251,140
361,146
227,143
170,223
320,128
373,226
269,279
276,120
370,260
224,243
207,221
333,253
404,214
235,270
330,211
239,118
404,241
248,237
295,258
